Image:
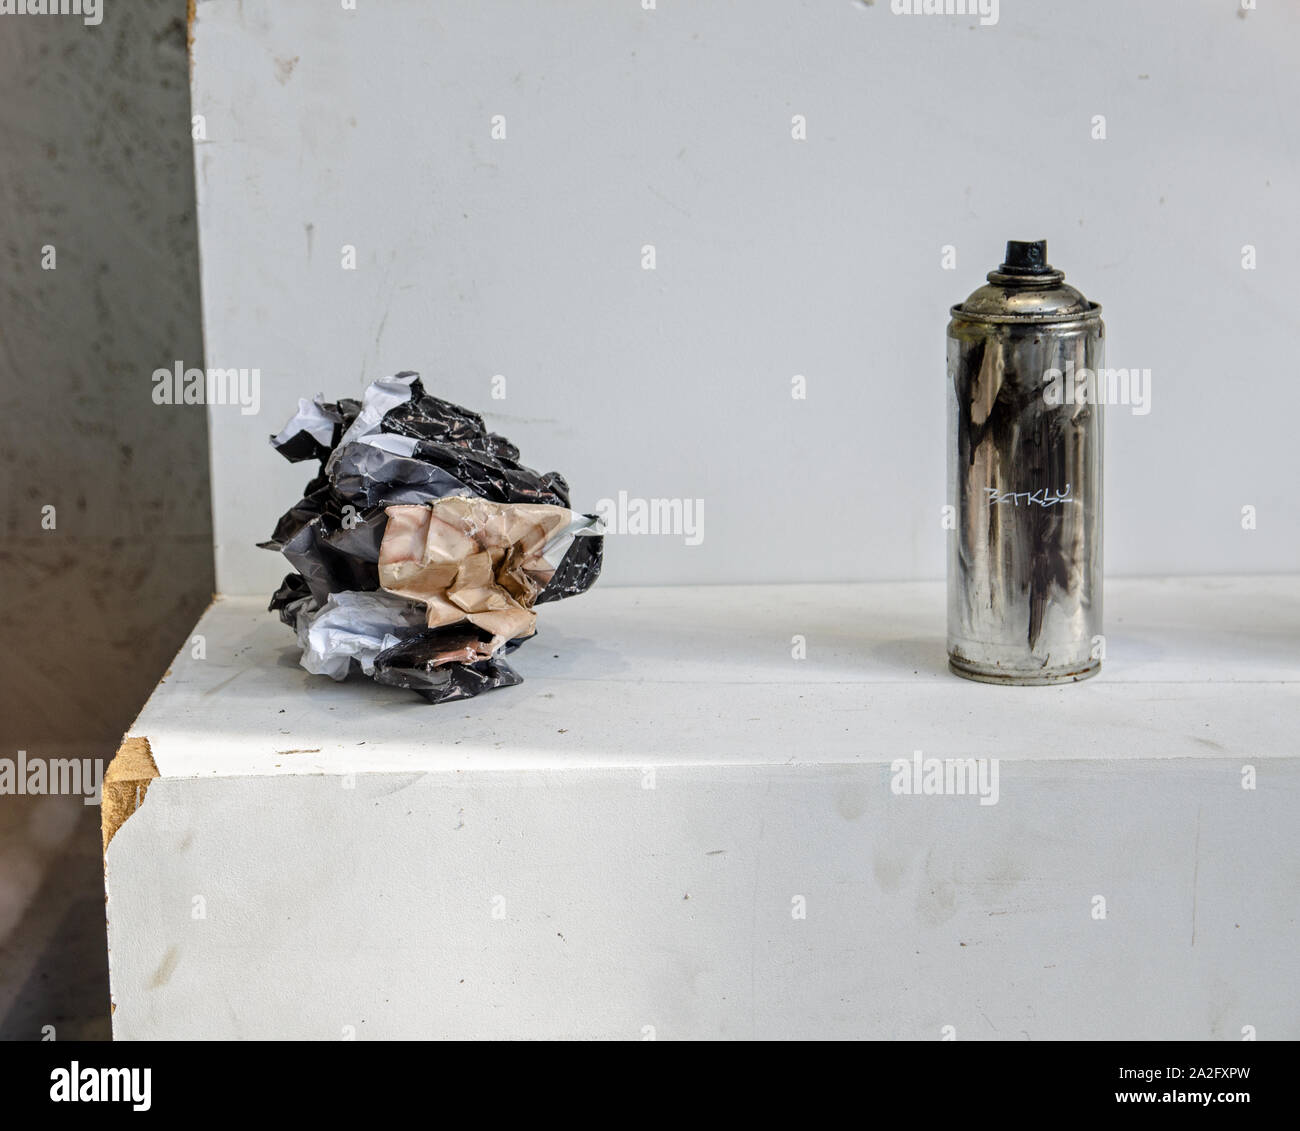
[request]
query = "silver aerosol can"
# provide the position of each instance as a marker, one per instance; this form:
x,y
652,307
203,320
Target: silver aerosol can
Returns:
x,y
1024,475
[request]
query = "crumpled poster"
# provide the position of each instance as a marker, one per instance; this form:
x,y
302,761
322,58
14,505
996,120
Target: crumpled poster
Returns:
x,y
423,545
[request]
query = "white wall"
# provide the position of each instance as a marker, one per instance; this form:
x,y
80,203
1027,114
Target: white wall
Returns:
x,y
775,257
370,907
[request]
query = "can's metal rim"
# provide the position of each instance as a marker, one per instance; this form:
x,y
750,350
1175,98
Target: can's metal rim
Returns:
x,y
1042,677
1092,314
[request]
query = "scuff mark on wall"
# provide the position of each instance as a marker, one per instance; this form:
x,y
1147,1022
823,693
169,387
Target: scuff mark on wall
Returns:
x,y
163,974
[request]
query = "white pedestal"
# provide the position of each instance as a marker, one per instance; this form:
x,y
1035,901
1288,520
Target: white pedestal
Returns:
x,y
675,828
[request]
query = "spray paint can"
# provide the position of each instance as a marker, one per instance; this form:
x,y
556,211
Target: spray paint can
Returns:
x,y
1024,474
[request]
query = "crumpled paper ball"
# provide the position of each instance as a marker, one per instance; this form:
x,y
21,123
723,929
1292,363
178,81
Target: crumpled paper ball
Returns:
x,y
423,545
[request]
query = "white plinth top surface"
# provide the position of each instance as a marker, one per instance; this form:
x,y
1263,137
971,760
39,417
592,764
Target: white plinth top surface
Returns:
x,y
1195,667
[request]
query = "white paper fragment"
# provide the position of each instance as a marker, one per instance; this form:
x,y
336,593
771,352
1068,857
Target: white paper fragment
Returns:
x,y
309,418
354,625
559,543
380,398
389,442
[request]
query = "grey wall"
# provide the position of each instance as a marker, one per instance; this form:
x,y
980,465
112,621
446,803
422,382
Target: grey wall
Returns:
x,y
96,160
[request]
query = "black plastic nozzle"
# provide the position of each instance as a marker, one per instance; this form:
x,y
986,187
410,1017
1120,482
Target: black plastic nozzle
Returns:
x,y
1026,258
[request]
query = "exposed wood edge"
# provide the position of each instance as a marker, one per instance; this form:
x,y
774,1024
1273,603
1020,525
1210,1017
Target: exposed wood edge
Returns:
x,y
125,783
